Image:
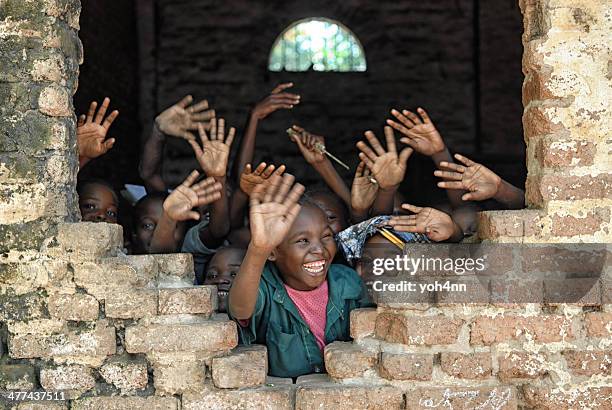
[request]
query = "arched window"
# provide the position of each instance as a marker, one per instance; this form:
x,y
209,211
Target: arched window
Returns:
x,y
319,44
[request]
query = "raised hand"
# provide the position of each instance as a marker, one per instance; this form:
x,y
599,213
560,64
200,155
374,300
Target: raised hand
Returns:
x,y
214,153
437,225
278,99
419,132
91,132
363,191
180,203
179,119
387,166
480,181
307,145
250,178
273,208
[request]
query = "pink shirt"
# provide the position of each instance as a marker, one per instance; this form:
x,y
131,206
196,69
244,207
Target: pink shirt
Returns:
x,y
312,305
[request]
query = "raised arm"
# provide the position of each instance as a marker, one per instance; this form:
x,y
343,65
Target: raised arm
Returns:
x,y
363,193
91,132
437,225
273,208
179,207
480,182
306,143
213,157
387,166
177,121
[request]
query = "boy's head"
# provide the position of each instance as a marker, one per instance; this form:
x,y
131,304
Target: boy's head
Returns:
x,y
98,202
376,247
221,271
304,256
332,205
147,212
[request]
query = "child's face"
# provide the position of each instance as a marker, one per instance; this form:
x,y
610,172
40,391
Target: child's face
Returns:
x,y
376,247
334,210
221,271
306,253
98,203
146,218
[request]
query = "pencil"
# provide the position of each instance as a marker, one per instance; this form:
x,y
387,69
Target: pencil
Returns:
x,y
397,238
391,238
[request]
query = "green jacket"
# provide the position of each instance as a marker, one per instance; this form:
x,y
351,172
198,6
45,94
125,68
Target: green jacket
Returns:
x,y
276,322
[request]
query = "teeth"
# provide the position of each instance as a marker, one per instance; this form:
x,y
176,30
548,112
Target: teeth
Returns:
x,y
315,267
221,293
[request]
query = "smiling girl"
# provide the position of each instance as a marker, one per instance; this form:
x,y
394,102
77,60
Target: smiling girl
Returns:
x,y
287,293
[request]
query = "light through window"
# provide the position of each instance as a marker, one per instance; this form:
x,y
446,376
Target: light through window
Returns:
x,y
317,44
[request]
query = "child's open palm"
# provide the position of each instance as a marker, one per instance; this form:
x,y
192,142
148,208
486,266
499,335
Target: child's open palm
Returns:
x,y
214,154
92,129
419,132
273,209
307,144
250,178
437,225
363,191
480,181
388,167
278,99
180,203
180,119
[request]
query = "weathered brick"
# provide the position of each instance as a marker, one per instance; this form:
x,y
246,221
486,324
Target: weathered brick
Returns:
x,y
417,330
194,300
131,303
546,188
589,224
588,363
512,224
176,264
464,398
406,366
76,306
574,398
125,403
487,330
476,365
347,397
565,152
27,306
42,405
587,260
598,324
245,366
71,378
521,365
17,377
206,336
86,241
580,291
55,101
363,322
125,373
278,397
345,360
178,373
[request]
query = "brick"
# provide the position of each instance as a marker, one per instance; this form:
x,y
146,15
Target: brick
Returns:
x,y
128,374
543,329
178,373
476,365
589,224
277,397
498,397
245,366
598,324
363,322
579,291
55,101
406,366
194,300
521,365
586,259
538,120
574,398
557,153
125,403
17,377
417,330
345,397
86,241
42,405
87,344
556,187
344,360
70,378
589,363
176,264
512,224
131,304
27,306
209,336
75,307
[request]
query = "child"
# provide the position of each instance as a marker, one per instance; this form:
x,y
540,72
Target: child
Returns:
x,y
287,295
98,202
221,271
91,132
332,205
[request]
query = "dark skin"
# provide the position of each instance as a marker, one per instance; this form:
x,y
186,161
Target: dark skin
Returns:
x,y
147,216
333,208
98,203
309,240
222,270
375,247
